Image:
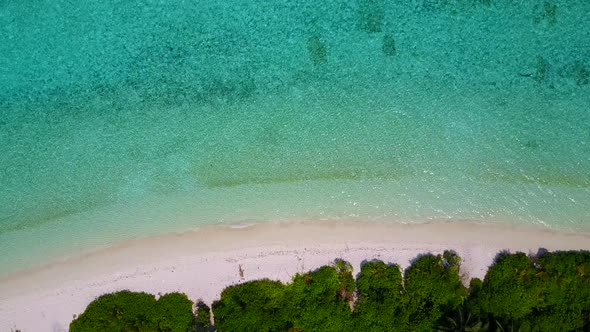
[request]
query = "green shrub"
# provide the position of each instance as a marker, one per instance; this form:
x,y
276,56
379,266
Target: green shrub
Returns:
x,y
251,306
547,293
509,291
433,289
380,304
565,281
320,300
203,317
175,312
129,311
550,292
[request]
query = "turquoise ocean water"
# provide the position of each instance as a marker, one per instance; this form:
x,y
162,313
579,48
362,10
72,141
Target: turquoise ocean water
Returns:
x,y
121,119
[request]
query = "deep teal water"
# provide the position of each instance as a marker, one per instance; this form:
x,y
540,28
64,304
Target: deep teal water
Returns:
x,y
122,119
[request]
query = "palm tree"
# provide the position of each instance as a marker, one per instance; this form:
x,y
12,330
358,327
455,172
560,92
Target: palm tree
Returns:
x,y
509,327
462,321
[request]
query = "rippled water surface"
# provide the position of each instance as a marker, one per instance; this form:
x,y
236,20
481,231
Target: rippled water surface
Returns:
x,y
122,119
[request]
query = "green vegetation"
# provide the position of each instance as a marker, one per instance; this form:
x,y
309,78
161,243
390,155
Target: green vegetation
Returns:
x,y
314,301
432,288
380,294
550,292
203,317
128,311
251,306
320,300
546,292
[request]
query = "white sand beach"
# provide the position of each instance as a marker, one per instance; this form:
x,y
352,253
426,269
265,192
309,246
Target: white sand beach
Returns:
x,y
201,263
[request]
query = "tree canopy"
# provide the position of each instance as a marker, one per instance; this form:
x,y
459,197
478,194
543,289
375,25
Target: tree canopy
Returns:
x,y
549,291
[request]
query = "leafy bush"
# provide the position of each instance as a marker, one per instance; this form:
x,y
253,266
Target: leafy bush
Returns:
x,y
433,289
565,280
549,292
129,311
380,305
509,291
320,300
314,301
203,317
251,306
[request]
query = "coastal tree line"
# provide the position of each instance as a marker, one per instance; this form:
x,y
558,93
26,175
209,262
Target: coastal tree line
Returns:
x,y
549,291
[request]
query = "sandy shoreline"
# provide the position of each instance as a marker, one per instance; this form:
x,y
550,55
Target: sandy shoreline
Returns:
x,y
201,263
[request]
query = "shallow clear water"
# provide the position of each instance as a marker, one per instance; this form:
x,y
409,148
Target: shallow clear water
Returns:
x,y
120,120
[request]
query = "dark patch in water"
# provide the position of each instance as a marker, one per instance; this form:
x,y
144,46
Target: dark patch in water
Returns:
x,y
532,144
229,181
541,72
455,7
371,15
545,13
546,178
389,45
317,49
581,74
32,220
